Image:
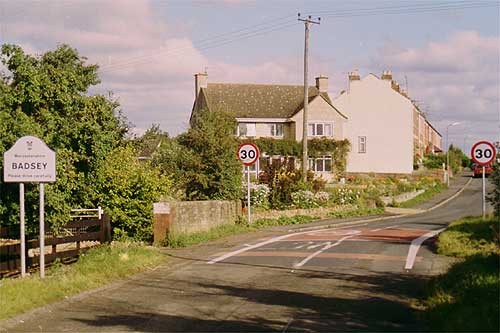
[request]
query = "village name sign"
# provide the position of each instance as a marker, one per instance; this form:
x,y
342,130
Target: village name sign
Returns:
x,y
29,161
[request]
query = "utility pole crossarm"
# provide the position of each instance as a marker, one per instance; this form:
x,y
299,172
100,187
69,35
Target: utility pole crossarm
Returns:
x,y
305,156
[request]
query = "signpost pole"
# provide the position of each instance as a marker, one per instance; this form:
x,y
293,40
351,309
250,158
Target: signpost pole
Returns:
x,y
21,221
42,231
248,194
484,192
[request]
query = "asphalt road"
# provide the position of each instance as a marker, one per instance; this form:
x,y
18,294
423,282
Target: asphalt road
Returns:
x,y
356,277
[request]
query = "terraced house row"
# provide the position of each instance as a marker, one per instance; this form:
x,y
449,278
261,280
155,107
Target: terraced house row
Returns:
x,y
385,127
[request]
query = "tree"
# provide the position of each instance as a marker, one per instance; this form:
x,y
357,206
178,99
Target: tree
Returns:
x,y
47,96
209,164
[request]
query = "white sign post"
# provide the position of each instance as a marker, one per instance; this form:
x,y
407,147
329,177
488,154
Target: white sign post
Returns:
x,y
29,160
248,154
483,153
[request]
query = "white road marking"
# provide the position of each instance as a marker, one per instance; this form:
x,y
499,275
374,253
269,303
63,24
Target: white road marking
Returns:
x,y
328,245
415,246
302,245
269,241
391,227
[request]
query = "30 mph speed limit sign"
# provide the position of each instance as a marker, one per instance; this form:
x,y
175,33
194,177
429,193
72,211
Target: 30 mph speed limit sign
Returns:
x,y
248,153
483,152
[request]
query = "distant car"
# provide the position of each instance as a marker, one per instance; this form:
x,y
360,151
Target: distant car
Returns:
x,y
478,170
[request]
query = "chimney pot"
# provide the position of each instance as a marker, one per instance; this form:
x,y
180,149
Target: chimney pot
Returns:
x,y
387,75
354,75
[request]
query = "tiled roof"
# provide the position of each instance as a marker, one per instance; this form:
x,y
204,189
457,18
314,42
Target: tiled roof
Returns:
x,y
258,100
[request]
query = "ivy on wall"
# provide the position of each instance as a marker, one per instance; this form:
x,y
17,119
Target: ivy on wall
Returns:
x,y
338,149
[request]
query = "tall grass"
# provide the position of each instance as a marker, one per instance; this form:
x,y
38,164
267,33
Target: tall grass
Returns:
x,y
467,297
94,268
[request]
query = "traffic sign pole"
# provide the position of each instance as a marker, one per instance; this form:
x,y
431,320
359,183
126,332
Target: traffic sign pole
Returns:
x,y
23,237
42,230
484,192
483,153
248,195
248,154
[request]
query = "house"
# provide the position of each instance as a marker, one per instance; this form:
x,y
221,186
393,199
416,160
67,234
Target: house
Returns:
x,y
275,111
386,129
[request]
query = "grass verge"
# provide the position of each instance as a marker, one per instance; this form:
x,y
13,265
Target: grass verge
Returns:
x,y
466,298
357,212
94,268
421,198
183,240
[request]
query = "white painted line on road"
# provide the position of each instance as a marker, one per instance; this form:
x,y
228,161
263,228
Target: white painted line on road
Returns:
x,y
269,241
390,227
303,244
415,246
328,245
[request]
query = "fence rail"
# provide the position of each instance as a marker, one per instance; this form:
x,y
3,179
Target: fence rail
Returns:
x,y
96,229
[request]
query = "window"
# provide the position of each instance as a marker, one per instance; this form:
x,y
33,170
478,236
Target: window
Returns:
x,y
321,164
361,144
276,130
320,129
246,129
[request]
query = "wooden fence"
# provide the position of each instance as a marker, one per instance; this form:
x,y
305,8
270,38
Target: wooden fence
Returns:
x,y
56,247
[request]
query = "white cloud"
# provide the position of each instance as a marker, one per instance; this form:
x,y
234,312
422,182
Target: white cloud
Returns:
x,y
457,79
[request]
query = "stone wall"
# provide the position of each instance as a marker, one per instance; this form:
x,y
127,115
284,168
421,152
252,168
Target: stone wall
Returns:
x,y
401,197
187,217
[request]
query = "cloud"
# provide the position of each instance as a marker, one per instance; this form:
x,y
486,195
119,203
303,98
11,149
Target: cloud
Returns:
x,y
457,79
149,70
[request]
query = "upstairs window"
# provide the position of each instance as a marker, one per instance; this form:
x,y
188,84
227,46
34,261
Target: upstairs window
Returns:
x,y
320,129
276,130
361,144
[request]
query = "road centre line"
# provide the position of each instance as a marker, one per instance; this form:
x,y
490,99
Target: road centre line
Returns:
x,y
329,245
415,246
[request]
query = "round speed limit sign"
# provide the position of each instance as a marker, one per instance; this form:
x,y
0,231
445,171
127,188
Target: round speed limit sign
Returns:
x,y
483,152
248,153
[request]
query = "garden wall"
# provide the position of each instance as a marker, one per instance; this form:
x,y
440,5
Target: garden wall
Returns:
x,y
187,217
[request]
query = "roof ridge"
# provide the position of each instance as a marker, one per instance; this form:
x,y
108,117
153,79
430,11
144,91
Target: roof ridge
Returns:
x,y
260,84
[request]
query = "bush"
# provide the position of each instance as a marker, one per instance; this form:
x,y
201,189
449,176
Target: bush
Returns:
x,y
259,195
344,196
494,195
127,190
304,199
434,161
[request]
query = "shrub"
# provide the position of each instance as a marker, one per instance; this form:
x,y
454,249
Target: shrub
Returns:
x,y
304,199
259,195
344,196
127,190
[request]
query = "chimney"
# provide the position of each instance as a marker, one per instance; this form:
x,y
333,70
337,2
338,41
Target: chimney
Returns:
x,y
322,83
387,75
395,86
354,75
200,81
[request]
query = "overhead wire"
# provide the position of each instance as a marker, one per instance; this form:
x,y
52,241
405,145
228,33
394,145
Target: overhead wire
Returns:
x,y
274,25
222,39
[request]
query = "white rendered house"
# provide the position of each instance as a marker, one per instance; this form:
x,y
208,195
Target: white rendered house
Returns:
x,y
380,126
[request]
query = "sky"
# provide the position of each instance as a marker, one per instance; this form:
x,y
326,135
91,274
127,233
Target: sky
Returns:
x,y
446,53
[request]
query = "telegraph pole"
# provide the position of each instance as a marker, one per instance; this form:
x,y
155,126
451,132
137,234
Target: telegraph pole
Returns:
x,y
305,156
